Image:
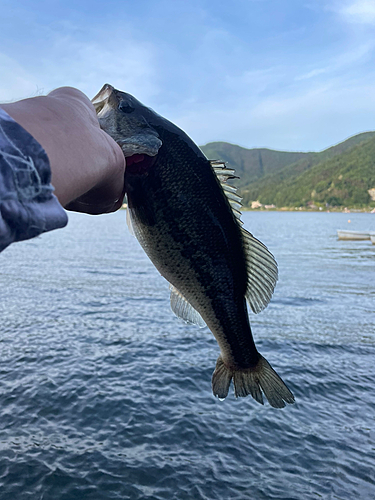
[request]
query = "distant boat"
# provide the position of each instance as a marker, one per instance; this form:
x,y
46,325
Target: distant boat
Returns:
x,y
372,238
353,235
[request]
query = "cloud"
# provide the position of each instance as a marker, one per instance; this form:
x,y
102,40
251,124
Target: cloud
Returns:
x,y
298,118
87,63
357,11
313,73
345,61
290,106
120,61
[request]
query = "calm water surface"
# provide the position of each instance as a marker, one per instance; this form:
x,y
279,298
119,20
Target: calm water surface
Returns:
x,y
104,394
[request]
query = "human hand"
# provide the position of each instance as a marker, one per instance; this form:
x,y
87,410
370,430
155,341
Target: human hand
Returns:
x,y
87,165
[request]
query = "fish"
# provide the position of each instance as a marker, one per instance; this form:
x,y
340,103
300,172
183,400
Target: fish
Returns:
x,y
186,215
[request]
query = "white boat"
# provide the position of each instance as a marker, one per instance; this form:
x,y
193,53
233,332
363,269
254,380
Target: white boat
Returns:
x,y
353,235
372,237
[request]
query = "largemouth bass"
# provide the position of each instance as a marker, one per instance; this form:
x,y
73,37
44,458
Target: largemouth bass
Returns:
x,y
185,215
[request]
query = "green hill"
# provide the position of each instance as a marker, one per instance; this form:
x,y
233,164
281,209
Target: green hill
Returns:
x,y
343,180
339,175
250,164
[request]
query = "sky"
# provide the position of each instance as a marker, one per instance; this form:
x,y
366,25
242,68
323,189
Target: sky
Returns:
x,y
288,75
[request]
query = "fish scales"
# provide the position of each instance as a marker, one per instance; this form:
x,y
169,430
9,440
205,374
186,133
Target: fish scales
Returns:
x,y
184,221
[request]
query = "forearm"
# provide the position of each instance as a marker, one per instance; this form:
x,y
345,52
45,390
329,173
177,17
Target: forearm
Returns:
x,y
27,206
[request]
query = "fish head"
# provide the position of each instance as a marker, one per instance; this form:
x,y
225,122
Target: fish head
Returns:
x,y
124,118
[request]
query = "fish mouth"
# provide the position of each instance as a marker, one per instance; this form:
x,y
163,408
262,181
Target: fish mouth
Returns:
x,y
102,97
139,164
138,138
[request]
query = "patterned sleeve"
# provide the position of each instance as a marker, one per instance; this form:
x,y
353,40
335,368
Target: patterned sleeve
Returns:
x,y
28,206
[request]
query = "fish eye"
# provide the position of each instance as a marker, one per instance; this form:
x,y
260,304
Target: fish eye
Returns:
x,y
126,108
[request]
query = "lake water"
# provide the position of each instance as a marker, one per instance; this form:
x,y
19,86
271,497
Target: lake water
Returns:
x,y
105,394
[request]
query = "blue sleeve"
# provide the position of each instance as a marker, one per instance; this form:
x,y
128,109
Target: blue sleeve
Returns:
x,y
28,206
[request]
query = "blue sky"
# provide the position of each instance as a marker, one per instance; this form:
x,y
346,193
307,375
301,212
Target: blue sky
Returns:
x,y
290,75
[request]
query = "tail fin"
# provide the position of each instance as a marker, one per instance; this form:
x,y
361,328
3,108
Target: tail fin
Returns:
x,y
252,381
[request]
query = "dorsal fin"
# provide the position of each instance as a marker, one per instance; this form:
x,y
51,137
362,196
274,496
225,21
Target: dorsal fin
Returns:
x,y
262,272
260,263
224,174
183,309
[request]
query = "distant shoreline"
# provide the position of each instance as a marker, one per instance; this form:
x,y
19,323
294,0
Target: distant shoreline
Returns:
x,y
346,210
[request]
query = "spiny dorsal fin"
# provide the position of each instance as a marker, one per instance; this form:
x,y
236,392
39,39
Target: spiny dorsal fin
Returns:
x,y
224,174
183,309
261,265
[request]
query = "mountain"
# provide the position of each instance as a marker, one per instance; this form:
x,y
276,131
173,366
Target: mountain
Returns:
x,y
343,180
339,175
250,164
